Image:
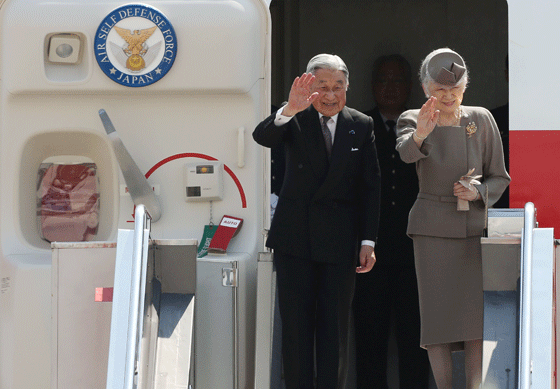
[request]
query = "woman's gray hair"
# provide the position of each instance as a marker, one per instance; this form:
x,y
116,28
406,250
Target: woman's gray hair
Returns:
x,y
327,61
425,77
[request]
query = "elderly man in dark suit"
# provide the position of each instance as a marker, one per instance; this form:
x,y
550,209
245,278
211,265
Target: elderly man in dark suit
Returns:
x,y
326,218
387,297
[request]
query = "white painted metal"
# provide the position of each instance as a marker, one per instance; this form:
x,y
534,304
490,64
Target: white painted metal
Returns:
x,y
499,349
138,187
266,302
132,261
501,257
80,325
542,310
216,344
136,293
537,323
529,25
525,331
241,147
118,346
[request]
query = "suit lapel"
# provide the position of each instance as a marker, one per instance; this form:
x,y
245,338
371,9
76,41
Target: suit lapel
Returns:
x,y
342,148
314,143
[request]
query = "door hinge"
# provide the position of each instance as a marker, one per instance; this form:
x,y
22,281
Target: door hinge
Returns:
x,y
229,277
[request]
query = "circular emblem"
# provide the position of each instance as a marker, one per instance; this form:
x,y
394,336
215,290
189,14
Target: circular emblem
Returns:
x,y
135,45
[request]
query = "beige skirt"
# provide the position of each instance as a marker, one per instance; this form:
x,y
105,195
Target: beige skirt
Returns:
x,y
449,273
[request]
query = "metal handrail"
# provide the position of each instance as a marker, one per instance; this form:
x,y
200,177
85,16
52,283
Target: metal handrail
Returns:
x,y
142,222
525,330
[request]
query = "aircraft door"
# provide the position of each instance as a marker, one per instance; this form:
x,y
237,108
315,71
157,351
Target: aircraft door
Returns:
x,y
184,84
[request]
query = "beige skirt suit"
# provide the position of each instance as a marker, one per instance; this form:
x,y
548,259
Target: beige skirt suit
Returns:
x,y
446,241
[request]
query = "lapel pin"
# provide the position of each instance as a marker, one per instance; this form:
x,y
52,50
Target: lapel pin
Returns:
x,y
351,132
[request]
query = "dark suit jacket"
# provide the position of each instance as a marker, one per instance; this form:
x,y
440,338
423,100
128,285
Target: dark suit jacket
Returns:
x,y
325,207
399,188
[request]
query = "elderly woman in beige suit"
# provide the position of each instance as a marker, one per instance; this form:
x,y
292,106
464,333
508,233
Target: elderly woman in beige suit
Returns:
x,y
446,140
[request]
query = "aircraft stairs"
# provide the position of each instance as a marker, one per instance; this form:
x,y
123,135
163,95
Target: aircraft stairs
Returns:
x,y
161,323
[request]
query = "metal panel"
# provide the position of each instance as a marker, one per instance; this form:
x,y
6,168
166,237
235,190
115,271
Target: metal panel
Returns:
x,y
500,340
120,313
175,342
129,367
216,325
148,323
542,318
505,222
500,267
268,328
501,258
556,300
176,264
81,326
537,332
525,338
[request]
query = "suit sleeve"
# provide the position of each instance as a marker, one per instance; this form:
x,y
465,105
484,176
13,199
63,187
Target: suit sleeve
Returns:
x,y
370,188
268,134
495,177
407,148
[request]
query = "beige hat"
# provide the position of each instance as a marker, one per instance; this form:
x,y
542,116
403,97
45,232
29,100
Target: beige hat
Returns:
x,y
446,67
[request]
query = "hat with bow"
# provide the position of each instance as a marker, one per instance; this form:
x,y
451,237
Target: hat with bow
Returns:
x,y
446,68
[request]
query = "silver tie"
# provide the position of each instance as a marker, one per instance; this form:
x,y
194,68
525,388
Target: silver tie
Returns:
x,y
326,134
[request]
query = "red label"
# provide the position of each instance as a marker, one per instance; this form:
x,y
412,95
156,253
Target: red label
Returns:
x,y
103,294
227,229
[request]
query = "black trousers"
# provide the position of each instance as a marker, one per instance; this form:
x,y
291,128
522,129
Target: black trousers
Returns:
x,y
389,291
315,301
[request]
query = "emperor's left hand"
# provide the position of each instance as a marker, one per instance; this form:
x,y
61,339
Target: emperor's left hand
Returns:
x,y
367,259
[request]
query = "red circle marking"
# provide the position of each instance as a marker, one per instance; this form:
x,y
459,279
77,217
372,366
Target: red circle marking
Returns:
x,y
208,158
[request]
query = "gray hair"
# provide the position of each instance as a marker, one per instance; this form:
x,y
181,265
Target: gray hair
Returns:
x,y
425,77
329,62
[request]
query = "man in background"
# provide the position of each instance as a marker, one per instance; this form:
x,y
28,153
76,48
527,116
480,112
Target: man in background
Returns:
x,y
387,296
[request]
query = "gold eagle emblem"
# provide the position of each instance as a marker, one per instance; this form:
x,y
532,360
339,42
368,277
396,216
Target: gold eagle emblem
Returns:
x,y
135,50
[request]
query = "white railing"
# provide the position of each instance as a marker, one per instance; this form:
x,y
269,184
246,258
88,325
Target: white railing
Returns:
x,y
537,346
526,292
137,296
127,320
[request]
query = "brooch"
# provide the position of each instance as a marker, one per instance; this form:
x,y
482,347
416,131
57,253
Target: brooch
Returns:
x,y
471,128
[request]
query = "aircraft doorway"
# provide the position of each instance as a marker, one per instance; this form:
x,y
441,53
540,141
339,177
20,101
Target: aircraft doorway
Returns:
x,y
359,31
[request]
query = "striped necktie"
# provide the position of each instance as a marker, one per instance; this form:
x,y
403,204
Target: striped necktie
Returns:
x,y
327,134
